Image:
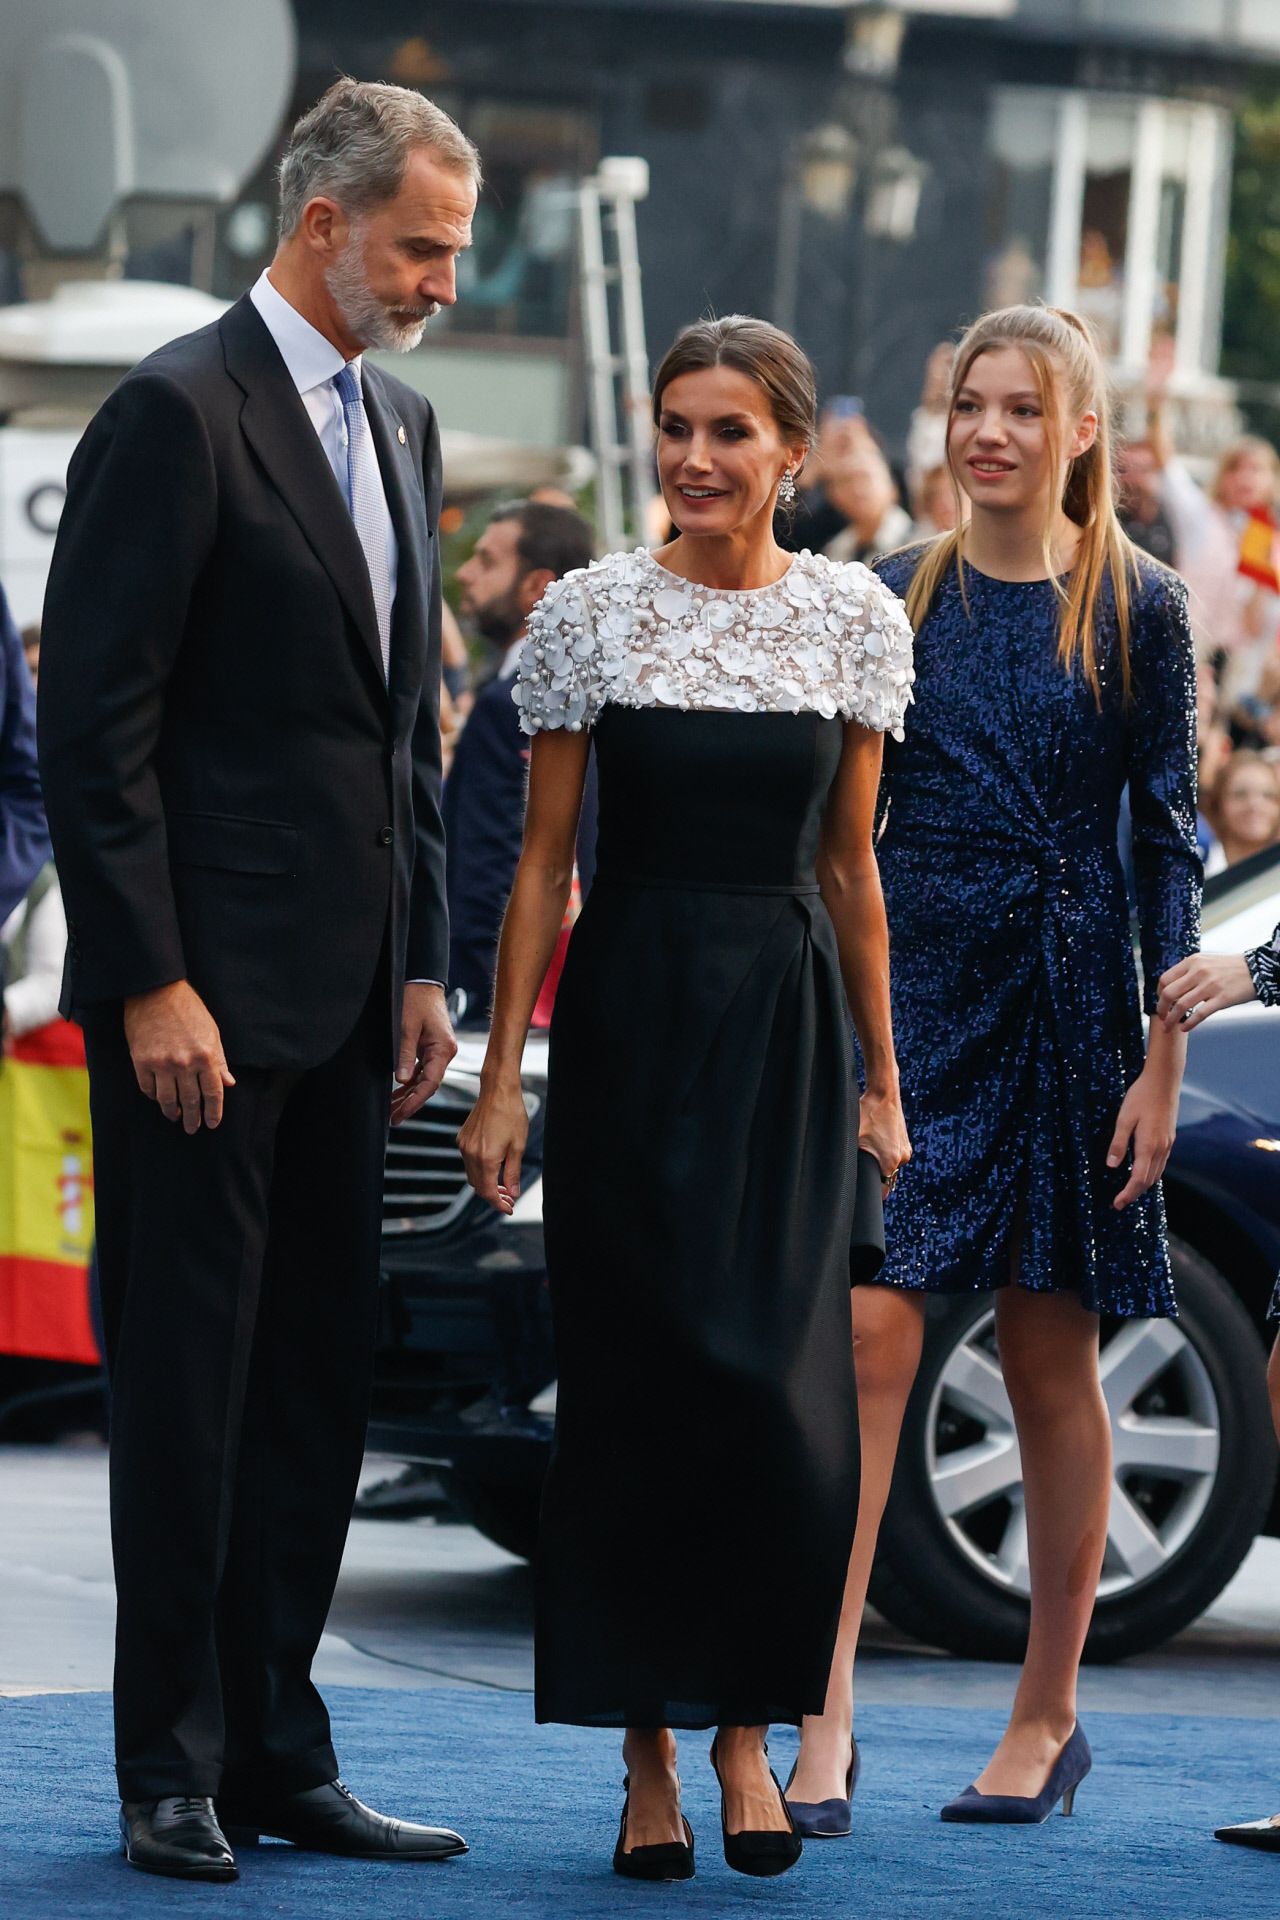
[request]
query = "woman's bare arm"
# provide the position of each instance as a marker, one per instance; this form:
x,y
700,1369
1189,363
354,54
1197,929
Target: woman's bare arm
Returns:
x,y
850,883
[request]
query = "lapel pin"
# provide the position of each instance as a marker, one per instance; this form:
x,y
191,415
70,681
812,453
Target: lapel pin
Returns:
x,y
400,435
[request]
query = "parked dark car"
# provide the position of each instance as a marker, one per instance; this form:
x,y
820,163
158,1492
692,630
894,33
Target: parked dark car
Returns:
x,y
466,1366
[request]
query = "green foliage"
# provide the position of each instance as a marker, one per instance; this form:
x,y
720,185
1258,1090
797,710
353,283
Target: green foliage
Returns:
x,y
1251,300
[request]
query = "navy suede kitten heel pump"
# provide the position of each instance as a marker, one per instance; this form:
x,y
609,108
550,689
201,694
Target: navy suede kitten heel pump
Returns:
x,y
1012,1809
827,1819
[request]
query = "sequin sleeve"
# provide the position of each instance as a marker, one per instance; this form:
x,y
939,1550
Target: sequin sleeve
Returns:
x,y
877,651
559,682
1264,970
1162,778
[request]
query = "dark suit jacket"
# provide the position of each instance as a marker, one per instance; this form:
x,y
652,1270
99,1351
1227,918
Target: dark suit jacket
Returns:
x,y
484,805
484,798
235,796
24,841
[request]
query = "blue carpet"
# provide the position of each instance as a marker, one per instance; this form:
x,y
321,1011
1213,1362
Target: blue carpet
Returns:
x,y
540,1807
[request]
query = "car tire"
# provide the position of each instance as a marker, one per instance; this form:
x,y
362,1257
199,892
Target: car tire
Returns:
x,y
507,1515
949,1592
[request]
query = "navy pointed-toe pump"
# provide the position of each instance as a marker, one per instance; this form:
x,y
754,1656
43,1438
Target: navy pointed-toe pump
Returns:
x,y
1012,1809
827,1819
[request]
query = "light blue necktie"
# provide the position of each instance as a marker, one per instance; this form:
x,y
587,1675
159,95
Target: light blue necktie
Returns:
x,y
366,506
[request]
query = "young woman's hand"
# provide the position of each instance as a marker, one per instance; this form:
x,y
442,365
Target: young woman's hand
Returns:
x,y
882,1131
1148,1121
1202,985
493,1139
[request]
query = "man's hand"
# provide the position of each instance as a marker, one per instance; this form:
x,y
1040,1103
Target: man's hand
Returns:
x,y
177,1054
427,1046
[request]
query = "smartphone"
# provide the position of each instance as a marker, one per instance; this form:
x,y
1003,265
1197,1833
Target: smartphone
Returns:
x,y
845,406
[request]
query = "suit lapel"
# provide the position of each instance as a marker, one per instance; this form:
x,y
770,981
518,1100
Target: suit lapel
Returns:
x,y
279,430
408,517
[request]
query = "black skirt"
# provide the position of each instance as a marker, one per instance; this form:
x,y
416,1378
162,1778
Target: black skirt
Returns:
x,y
701,1183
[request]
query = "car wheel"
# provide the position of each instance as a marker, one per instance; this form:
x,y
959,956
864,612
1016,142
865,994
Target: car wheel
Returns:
x,y
507,1515
1194,1470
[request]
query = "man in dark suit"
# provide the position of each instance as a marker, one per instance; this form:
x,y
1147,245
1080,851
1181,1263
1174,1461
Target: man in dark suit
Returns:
x,y
24,839
239,740
526,545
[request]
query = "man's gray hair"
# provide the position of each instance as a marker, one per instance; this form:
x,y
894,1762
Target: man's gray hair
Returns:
x,y
354,144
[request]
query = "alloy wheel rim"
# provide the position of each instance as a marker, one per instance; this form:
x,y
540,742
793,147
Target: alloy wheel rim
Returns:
x,y
1166,1443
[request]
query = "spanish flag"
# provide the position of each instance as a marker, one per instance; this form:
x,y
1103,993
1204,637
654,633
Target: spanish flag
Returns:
x,y
46,1198
1258,558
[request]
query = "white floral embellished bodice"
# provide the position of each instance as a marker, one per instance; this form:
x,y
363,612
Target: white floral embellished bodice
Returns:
x,y
829,637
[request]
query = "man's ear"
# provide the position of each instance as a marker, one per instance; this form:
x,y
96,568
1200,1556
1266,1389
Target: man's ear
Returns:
x,y
532,587
324,226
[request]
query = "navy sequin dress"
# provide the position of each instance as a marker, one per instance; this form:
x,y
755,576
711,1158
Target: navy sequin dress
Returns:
x,y
1015,996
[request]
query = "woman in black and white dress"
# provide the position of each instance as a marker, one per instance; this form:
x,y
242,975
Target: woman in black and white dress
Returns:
x,y
702,1175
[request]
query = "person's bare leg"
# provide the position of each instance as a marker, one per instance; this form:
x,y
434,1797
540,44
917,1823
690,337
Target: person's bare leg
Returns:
x,y
1049,1354
653,1810
888,1331
751,1802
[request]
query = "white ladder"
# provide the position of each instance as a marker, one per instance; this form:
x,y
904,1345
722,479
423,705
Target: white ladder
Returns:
x,y
617,375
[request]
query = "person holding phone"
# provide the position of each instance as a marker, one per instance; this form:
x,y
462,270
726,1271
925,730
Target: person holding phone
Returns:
x,y
847,500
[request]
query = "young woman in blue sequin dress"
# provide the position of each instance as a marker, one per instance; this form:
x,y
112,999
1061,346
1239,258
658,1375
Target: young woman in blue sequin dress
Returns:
x,y
1053,666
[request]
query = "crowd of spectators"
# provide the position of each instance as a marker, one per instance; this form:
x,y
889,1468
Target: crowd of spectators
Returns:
x,y
1221,536
854,502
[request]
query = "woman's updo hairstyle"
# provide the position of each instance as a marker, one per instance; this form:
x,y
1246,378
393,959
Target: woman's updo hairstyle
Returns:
x,y
764,353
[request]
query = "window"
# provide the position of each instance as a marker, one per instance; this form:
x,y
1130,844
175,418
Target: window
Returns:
x,y
1113,206
1024,143
517,279
1171,214
1099,290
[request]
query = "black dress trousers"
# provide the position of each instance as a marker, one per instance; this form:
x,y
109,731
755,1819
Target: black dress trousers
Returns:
x,y
239,1280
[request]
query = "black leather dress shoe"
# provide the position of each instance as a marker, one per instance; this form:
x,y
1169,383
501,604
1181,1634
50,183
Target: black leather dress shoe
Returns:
x,y
330,1819
179,1836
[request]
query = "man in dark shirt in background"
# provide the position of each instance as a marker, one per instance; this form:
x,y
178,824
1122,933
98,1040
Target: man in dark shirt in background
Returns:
x,y
525,546
1142,513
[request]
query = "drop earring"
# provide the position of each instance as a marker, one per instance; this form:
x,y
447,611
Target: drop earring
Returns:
x,y
786,489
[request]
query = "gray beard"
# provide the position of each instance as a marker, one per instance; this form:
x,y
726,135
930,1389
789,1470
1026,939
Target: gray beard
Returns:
x,y
363,314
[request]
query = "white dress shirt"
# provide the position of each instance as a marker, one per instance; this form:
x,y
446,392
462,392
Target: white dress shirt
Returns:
x,y
312,363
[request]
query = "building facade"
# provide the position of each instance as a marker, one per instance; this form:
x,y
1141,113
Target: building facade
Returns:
x,y
870,176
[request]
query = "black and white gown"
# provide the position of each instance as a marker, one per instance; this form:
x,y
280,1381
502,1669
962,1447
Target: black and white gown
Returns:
x,y
701,1166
